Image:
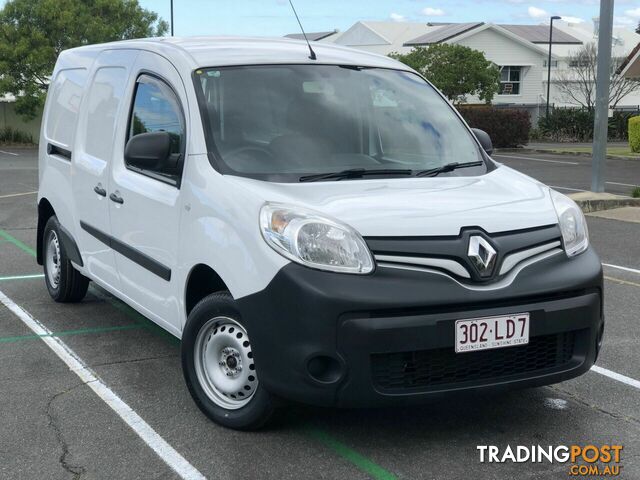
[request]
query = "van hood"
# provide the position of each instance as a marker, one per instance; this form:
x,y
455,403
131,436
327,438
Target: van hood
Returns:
x,y
502,200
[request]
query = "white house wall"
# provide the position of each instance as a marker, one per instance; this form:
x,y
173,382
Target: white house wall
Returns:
x,y
504,52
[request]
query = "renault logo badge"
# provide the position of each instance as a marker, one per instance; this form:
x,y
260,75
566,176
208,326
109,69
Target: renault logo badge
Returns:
x,y
482,255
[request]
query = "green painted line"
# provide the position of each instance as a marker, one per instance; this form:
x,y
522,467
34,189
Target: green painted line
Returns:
x,y
11,239
123,307
22,277
360,461
67,333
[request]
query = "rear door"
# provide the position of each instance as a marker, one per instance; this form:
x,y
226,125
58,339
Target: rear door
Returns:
x,y
145,205
92,155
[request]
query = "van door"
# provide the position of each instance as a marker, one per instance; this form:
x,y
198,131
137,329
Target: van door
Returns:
x,y
92,155
145,202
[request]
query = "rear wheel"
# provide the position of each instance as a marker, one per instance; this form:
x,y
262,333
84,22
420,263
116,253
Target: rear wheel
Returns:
x,y
219,367
64,282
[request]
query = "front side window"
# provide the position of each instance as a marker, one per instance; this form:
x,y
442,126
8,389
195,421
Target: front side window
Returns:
x,y
510,80
287,121
156,108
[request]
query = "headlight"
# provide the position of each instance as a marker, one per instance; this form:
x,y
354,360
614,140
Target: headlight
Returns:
x,y
311,239
573,225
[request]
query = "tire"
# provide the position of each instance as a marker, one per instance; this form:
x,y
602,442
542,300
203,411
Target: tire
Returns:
x,y
218,366
64,282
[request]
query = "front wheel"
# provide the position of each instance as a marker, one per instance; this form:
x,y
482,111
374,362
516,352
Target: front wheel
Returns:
x,y
219,368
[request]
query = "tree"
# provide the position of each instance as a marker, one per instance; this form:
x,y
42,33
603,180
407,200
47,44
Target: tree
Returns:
x,y
457,71
34,32
638,29
577,83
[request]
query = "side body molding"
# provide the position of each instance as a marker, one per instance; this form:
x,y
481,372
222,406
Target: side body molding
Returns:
x,y
132,254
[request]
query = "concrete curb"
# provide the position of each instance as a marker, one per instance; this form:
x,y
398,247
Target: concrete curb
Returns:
x,y
597,204
553,152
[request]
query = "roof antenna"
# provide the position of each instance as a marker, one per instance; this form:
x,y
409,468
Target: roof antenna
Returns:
x,y
312,55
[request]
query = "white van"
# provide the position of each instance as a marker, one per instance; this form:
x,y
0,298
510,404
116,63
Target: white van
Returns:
x,y
326,230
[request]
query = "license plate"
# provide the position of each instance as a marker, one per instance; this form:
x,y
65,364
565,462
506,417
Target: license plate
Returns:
x,y
492,332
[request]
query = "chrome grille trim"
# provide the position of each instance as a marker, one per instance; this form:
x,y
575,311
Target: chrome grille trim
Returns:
x,y
450,265
513,259
502,283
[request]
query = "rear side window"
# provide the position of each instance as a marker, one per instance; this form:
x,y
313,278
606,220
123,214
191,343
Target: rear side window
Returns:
x,y
156,108
65,95
104,99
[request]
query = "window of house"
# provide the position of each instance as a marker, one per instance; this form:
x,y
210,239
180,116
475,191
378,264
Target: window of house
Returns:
x,y
554,63
156,108
510,80
582,63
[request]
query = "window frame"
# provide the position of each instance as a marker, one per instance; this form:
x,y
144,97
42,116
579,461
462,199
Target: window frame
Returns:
x,y
519,82
174,182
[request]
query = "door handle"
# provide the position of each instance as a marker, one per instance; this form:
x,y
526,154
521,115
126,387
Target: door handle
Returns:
x,y
115,198
100,191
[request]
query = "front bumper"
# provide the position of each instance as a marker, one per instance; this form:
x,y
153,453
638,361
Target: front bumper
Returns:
x,y
387,338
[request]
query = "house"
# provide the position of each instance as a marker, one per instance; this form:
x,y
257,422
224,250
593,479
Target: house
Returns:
x,y
520,51
630,68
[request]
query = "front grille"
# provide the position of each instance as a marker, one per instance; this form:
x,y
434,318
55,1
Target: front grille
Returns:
x,y
430,368
450,254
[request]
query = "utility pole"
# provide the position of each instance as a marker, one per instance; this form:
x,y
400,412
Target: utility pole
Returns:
x,y
555,17
172,18
603,72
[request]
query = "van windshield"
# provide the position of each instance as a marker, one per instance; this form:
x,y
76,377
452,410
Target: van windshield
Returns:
x,y
286,122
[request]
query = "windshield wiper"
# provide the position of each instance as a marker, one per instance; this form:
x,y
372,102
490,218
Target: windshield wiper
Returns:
x,y
449,167
354,173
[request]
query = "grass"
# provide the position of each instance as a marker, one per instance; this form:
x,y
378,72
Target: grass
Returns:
x,y
11,136
613,151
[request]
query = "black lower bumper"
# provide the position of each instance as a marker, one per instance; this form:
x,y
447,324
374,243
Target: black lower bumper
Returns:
x,y
388,338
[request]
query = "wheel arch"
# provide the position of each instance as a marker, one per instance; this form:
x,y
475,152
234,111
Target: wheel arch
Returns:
x,y
201,281
45,212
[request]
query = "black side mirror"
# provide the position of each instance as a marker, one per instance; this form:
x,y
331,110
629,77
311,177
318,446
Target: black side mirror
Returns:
x,y
148,151
484,139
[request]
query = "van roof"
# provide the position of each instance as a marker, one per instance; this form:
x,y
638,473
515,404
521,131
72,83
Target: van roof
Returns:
x,y
210,51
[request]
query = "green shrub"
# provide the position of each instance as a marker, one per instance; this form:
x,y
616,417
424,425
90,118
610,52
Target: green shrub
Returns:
x,y
567,125
535,134
634,134
576,125
635,193
618,125
11,135
507,127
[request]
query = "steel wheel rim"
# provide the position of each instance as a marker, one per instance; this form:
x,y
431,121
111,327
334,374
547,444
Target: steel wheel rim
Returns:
x,y
224,363
53,260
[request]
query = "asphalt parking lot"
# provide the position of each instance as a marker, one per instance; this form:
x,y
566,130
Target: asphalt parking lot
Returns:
x,y
572,173
118,407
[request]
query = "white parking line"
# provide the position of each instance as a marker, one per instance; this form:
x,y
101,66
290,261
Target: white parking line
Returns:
x,y
22,277
616,376
17,194
9,153
537,159
623,184
165,451
626,269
